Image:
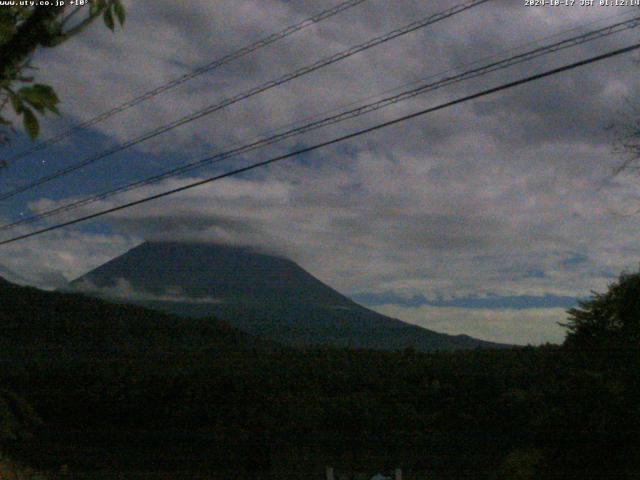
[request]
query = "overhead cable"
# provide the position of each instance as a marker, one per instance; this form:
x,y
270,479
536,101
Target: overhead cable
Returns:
x,y
327,143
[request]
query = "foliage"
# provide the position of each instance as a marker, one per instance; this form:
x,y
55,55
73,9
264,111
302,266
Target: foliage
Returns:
x,y
123,389
598,400
608,321
25,29
17,417
522,464
10,470
17,422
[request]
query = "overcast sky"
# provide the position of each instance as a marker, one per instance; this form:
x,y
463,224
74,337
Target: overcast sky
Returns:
x,y
488,218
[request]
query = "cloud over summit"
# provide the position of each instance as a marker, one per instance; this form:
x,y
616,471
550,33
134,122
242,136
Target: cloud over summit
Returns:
x,y
496,196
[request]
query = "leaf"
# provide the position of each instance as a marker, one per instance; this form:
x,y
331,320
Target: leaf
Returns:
x,y
30,123
108,19
7,30
31,97
118,8
54,109
94,9
47,94
46,90
38,106
40,97
16,103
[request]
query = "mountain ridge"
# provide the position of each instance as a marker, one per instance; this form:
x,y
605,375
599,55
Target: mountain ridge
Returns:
x,y
265,295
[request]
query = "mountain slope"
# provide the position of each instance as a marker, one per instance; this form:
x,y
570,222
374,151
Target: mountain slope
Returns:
x,y
261,294
52,325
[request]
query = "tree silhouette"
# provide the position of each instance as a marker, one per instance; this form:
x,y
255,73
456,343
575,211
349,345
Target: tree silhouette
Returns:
x,y
24,30
608,321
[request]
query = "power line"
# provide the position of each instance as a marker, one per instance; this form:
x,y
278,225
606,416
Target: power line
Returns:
x,y
397,88
411,27
246,50
327,143
349,114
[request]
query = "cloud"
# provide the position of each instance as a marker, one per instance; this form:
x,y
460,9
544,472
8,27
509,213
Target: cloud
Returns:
x,y
363,231
51,261
493,197
12,276
123,290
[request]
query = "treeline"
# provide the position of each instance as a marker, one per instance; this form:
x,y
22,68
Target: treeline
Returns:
x,y
240,408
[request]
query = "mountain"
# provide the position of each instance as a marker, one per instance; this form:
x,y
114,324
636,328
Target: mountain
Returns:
x,y
264,295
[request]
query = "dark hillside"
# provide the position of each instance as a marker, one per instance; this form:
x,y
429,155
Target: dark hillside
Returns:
x,y
35,323
265,295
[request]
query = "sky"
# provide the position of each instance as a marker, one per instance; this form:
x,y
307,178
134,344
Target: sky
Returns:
x,y
489,218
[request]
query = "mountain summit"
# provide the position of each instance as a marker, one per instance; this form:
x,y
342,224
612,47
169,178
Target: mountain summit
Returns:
x,y
262,294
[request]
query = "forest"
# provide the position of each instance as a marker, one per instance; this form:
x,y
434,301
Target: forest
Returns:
x,y
95,390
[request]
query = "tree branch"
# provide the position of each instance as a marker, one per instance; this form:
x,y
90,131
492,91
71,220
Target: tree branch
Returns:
x,y
70,16
30,35
80,26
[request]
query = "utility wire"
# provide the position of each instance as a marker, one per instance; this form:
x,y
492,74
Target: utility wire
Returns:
x,y
411,27
536,42
422,80
327,143
349,114
246,50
